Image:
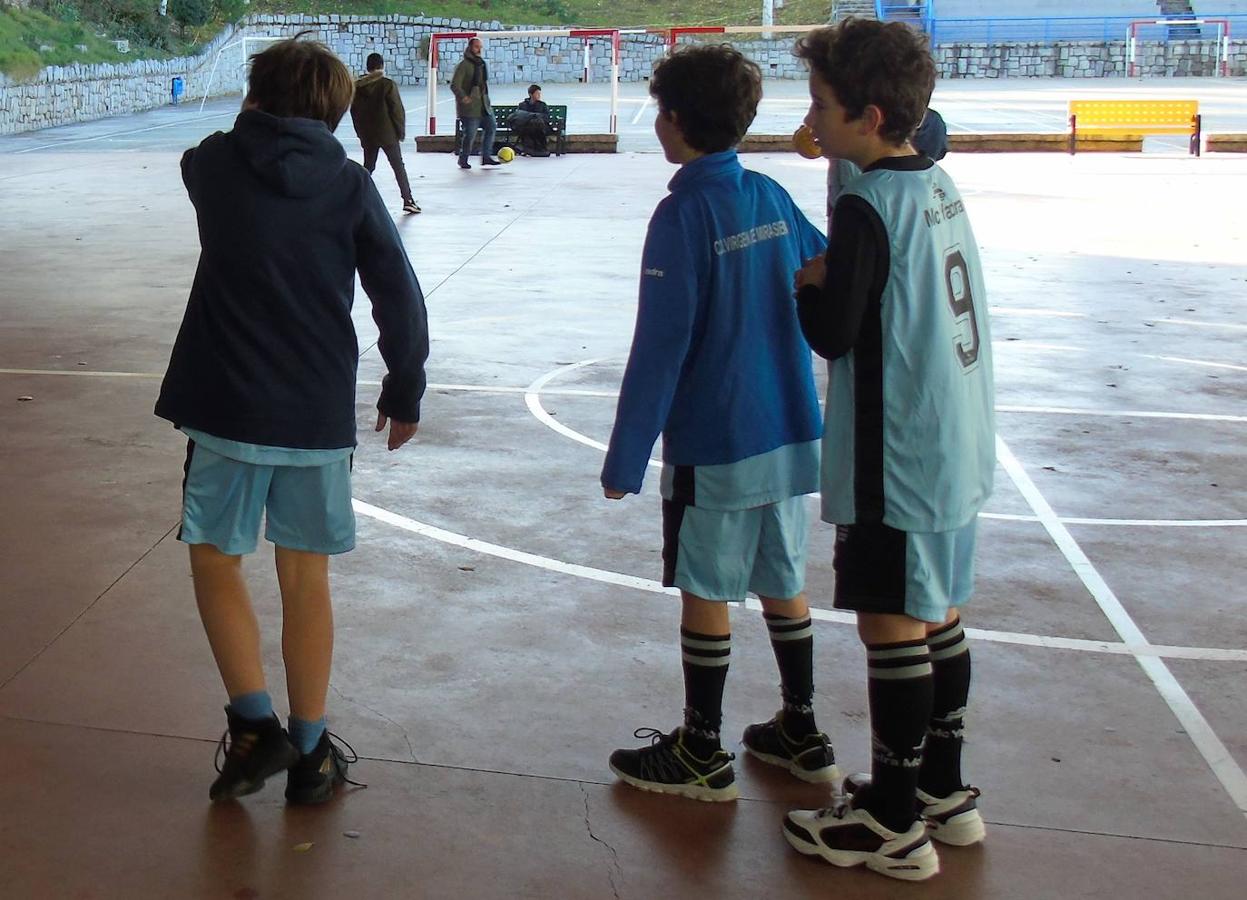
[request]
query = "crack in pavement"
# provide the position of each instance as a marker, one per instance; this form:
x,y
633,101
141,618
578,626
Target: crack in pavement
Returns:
x,y
615,869
411,751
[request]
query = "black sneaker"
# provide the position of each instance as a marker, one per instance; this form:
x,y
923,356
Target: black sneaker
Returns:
x,y
464,164
954,819
313,778
810,758
256,749
846,836
667,766
490,161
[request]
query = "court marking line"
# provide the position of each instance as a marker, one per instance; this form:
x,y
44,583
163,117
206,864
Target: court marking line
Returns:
x,y
1202,362
1197,728
532,399
116,134
604,576
1198,324
640,112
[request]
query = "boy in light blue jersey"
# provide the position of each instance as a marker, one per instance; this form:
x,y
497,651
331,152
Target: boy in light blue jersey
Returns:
x,y
899,309
719,368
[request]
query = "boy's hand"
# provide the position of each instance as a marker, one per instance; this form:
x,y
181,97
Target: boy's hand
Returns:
x,y
813,272
400,432
612,494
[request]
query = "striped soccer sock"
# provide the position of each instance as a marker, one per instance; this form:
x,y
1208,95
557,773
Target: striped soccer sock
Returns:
x,y
706,658
792,640
899,686
940,774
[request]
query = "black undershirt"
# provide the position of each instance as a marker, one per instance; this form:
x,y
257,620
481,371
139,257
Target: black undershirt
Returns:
x,y
858,263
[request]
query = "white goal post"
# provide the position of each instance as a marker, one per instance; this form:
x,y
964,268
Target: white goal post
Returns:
x,y
250,45
1222,39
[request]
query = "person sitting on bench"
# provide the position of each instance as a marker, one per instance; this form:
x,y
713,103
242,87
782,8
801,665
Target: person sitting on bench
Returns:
x,y
530,123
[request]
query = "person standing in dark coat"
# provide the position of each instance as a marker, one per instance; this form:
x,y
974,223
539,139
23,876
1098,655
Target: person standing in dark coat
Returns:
x,y
381,123
470,85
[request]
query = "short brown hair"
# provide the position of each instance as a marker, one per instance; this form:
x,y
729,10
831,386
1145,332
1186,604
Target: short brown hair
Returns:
x,y
870,63
300,79
714,92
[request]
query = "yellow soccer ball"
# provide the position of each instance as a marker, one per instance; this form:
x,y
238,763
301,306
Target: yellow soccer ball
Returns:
x,y
804,142
506,154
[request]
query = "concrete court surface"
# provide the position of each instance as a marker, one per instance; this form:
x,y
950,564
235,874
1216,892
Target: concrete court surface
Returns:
x,y
500,629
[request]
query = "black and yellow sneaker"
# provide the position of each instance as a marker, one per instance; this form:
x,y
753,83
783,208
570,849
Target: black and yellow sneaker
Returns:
x,y
254,749
667,766
809,757
313,778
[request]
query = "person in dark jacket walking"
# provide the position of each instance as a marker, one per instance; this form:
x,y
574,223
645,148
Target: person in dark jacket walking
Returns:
x,y
470,85
381,124
262,382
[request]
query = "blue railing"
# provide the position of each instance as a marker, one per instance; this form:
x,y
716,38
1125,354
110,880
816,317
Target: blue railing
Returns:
x,y
1047,29
1069,28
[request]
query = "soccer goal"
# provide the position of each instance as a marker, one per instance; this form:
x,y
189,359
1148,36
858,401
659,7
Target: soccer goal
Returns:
x,y
588,35
237,67
1183,29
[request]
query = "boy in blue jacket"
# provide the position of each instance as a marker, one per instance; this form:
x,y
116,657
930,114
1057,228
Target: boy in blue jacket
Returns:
x,y
719,368
262,382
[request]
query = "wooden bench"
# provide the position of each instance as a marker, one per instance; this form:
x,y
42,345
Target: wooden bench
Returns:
x,y
504,135
1134,117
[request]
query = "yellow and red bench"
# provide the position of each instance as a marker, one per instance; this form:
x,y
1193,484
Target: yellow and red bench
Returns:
x,y
1134,117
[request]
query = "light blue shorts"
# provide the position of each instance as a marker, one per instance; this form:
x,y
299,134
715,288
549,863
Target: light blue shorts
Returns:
x,y
307,507
723,554
918,574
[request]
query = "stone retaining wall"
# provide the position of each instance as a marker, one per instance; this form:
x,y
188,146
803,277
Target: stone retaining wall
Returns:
x,y
65,94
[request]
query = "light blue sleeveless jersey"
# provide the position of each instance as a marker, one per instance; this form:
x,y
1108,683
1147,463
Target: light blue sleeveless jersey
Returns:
x,y
933,454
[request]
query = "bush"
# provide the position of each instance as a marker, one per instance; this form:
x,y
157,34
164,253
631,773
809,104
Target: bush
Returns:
x,y
230,10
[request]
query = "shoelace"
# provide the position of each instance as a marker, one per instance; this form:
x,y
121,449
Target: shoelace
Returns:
x,y
351,760
225,749
653,734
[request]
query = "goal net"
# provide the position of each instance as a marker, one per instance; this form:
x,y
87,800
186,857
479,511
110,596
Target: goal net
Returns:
x,y
231,68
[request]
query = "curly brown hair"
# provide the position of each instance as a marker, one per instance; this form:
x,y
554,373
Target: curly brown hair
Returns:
x,y
713,91
300,79
870,63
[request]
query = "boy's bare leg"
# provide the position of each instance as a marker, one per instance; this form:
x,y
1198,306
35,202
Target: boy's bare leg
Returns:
x,y
704,616
307,630
796,608
227,616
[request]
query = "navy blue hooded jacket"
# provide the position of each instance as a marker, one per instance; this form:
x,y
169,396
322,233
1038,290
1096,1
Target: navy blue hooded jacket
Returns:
x,y
267,352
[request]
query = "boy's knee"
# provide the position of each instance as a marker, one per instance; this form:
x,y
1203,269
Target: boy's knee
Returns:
x,y
889,628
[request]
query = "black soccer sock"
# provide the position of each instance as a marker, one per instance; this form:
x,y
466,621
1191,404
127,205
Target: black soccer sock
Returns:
x,y
940,774
706,658
793,643
900,692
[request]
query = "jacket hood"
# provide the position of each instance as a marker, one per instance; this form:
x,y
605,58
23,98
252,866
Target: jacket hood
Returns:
x,y
366,83
296,157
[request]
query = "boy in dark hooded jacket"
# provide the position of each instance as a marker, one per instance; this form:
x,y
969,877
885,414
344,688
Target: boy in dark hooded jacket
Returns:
x,y
262,382
381,124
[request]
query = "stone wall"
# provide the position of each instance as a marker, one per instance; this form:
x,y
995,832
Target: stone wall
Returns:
x,y
61,95
1084,59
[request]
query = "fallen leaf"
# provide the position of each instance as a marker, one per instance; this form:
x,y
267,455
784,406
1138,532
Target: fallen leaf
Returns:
x,y
351,834
303,848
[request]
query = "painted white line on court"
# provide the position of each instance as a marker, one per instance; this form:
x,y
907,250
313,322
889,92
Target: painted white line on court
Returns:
x,y
1197,728
1038,313
1130,523
79,372
1202,362
115,134
640,112
1198,324
532,399
823,615
1118,413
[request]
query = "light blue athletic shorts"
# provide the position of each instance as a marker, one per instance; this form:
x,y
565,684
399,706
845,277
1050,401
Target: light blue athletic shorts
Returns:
x,y
723,554
307,507
918,574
